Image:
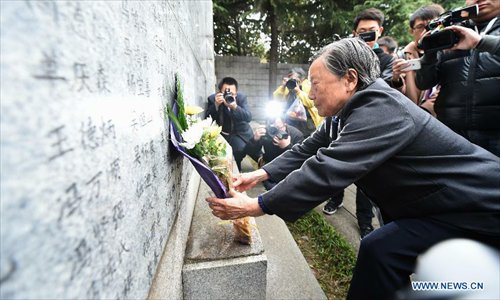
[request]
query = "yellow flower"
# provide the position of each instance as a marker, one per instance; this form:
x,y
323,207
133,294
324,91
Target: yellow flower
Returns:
x,y
213,131
192,110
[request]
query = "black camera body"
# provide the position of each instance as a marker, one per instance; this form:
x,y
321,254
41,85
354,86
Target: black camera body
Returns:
x,y
440,39
272,132
228,96
291,84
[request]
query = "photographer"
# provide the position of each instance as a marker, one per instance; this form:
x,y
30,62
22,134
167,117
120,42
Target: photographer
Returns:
x,y
229,109
295,85
469,74
403,79
275,138
368,25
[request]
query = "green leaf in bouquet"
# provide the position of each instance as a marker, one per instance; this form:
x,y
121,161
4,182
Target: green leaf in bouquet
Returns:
x,y
179,98
179,120
174,119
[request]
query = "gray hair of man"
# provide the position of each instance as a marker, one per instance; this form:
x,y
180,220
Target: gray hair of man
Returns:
x,y
351,53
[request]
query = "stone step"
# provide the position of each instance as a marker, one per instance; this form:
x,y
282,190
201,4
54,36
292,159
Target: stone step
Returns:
x,y
215,266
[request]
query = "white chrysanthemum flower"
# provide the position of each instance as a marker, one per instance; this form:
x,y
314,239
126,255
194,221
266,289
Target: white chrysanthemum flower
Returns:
x,y
207,122
192,135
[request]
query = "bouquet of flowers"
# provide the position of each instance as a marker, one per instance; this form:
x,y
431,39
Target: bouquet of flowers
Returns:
x,y
200,141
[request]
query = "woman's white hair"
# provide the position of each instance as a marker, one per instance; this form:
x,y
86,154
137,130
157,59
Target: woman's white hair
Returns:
x,y
351,53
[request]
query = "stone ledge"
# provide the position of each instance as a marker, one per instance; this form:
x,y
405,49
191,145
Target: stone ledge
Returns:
x,y
216,267
236,278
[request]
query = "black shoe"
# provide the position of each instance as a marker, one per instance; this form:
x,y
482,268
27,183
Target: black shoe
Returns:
x,y
331,207
364,231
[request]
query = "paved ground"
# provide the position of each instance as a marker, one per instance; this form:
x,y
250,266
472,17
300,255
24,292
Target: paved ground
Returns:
x,y
288,273
344,220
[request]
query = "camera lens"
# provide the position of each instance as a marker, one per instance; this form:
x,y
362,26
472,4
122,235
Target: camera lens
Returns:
x,y
291,84
272,131
228,96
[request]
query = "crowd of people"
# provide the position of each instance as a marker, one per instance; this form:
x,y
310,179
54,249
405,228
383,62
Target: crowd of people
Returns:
x,y
416,130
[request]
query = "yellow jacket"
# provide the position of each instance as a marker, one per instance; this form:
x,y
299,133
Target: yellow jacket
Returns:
x,y
282,92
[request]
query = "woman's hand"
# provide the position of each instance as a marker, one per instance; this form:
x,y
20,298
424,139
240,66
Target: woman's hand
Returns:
x,y
238,206
245,181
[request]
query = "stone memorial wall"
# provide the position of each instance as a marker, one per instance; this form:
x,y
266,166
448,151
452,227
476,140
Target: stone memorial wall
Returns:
x,y
90,189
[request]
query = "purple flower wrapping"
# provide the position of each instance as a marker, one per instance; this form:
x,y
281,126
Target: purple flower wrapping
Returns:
x,y
205,172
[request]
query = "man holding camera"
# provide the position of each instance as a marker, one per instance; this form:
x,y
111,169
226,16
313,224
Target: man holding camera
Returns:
x,y
229,109
403,72
295,85
275,138
469,74
368,25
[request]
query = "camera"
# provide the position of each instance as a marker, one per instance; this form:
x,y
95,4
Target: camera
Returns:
x,y
368,36
228,96
272,132
291,84
440,39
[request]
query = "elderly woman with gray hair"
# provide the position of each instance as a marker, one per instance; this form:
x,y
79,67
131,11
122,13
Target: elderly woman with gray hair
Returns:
x,y
429,181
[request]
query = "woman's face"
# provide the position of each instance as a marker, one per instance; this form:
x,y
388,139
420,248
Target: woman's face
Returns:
x,y
328,91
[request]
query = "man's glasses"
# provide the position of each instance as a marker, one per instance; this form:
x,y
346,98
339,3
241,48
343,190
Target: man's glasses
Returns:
x,y
419,27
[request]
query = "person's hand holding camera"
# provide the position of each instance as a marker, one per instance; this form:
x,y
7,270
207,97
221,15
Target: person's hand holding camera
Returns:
x,y
229,99
468,38
411,51
284,81
398,69
219,99
233,105
293,85
259,132
281,143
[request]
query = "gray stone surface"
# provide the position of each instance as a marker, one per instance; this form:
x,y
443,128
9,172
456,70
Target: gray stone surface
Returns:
x,y
90,190
212,239
167,283
216,267
234,278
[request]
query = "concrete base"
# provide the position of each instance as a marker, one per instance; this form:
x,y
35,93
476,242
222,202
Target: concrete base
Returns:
x,y
215,266
237,278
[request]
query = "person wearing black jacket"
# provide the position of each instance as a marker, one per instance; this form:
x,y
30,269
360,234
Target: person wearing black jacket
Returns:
x,y
369,20
274,139
469,75
233,115
433,183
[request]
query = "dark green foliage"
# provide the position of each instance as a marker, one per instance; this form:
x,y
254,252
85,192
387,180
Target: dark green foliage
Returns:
x,y
237,28
303,26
